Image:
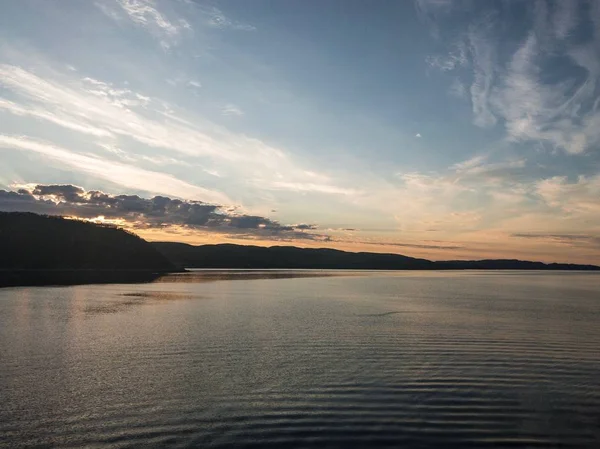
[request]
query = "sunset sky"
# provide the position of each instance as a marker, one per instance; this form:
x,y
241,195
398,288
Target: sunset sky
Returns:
x,y
432,128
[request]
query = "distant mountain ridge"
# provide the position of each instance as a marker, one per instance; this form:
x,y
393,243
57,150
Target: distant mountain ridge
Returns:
x,y
50,250
290,257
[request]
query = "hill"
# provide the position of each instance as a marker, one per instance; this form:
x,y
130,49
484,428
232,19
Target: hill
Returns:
x,y
37,249
242,256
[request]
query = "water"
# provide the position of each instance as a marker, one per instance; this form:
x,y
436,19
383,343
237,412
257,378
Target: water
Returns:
x,y
280,359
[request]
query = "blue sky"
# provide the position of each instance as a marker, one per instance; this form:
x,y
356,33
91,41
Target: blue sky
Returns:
x,y
435,128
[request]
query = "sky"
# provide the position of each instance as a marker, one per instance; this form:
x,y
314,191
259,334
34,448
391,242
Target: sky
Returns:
x,y
444,129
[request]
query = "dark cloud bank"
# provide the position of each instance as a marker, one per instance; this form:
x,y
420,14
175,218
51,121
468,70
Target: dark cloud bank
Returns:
x,y
156,212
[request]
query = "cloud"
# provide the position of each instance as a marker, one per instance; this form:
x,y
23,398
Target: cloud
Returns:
x,y
415,245
310,187
541,86
217,19
115,172
67,192
120,97
146,213
483,56
232,110
144,13
305,226
578,198
57,119
454,59
169,31
473,162
533,110
147,16
575,240
110,113
479,168
486,193
185,81
418,135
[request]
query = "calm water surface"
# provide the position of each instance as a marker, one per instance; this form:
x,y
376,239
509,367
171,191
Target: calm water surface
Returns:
x,y
299,359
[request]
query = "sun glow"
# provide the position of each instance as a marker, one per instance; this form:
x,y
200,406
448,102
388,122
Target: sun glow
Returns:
x,y
101,219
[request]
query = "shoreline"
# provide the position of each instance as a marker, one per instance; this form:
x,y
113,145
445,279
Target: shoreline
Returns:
x,y
66,277
70,277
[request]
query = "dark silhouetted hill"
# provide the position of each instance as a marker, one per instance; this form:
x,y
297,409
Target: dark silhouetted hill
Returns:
x,y
37,249
242,256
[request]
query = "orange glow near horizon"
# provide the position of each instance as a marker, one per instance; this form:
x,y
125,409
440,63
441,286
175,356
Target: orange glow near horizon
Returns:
x,y
477,246
490,246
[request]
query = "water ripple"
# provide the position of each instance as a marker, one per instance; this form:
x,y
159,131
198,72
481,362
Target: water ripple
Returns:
x,y
288,361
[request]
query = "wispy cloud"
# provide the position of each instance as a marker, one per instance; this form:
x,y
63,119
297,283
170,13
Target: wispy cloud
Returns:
x,y
120,97
92,108
184,81
218,19
481,194
115,172
454,59
310,187
542,88
575,240
110,112
478,168
232,110
145,14
577,199
534,110
483,75
424,245
59,119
